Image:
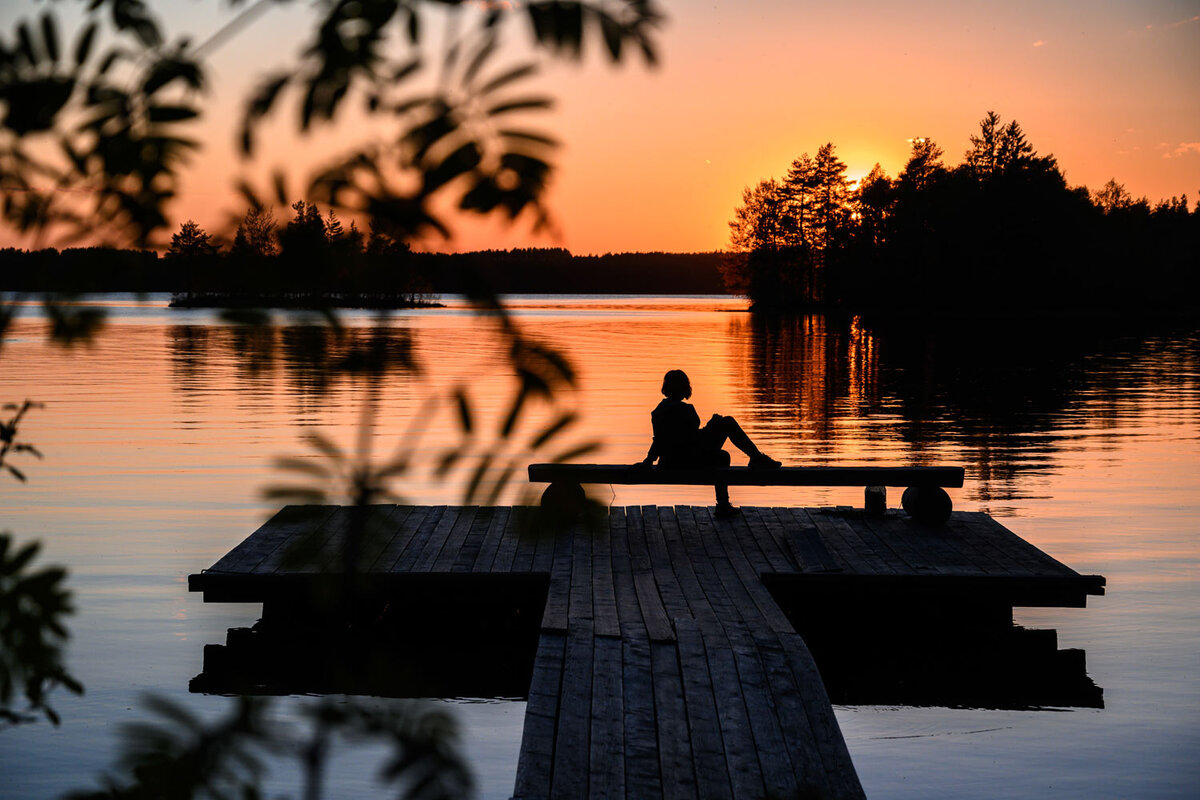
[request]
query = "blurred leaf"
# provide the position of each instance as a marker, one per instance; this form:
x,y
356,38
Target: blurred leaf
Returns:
x,y
576,452
561,423
306,466
325,446
413,26
83,45
613,33
480,58
297,495
528,136
464,409
25,45
505,78
50,37
132,16
514,412
463,160
522,104
424,136
501,481
259,106
447,461
476,479
166,70
170,113
406,69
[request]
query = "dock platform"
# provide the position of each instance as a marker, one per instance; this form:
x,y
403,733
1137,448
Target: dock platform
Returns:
x,y
667,659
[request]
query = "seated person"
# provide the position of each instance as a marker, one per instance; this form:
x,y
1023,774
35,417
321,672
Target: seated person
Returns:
x,y
680,442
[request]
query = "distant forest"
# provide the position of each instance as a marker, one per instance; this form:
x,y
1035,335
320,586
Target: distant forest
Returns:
x,y
317,257
1000,232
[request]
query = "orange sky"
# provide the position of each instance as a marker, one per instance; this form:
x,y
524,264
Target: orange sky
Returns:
x,y
655,159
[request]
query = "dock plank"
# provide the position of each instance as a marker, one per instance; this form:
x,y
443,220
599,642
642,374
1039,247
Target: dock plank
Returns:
x,y
536,760
704,729
385,562
604,593
489,548
606,744
674,742
643,777
285,525
449,533
558,597
437,521
804,542
571,751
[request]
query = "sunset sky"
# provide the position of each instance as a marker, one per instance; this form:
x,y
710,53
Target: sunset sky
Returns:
x,y
656,159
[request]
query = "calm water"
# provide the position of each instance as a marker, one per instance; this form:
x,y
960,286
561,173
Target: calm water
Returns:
x,y
1084,440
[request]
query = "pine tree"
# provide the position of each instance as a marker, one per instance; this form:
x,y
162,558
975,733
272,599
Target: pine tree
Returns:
x,y
256,234
191,242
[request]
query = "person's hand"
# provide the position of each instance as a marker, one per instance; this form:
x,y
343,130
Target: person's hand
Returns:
x,y
644,464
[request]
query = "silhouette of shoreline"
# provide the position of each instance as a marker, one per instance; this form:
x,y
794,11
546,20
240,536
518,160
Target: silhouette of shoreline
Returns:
x,y
402,275
301,300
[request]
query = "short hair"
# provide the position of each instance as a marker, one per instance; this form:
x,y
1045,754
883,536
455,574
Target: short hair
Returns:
x,y
676,385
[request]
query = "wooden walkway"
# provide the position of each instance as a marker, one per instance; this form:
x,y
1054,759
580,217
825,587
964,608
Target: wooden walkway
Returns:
x,y
664,665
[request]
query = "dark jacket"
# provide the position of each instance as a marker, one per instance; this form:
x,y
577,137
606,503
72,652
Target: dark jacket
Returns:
x,y
676,433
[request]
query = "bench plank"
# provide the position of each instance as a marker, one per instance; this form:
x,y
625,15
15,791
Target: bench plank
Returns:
x,y
745,476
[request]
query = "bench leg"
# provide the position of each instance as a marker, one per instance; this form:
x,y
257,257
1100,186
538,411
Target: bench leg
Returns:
x,y
927,504
564,498
875,501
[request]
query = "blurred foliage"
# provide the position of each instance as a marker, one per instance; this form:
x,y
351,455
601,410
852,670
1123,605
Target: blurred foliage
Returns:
x,y
34,605
179,755
91,136
8,438
92,141
93,131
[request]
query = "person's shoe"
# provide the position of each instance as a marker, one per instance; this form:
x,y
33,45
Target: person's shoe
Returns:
x,y
726,510
763,461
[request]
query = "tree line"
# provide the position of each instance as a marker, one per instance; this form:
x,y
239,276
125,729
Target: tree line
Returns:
x,y
1001,231
315,258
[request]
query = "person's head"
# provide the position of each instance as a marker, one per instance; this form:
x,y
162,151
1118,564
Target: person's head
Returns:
x,y
676,385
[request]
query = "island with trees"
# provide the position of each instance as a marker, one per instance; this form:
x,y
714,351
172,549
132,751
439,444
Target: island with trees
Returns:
x,y
1001,232
316,261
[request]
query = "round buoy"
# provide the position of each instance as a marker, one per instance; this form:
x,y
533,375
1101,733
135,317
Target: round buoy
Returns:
x,y
927,504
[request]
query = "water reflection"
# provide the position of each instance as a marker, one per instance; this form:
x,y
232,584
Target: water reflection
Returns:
x,y
1003,399
311,358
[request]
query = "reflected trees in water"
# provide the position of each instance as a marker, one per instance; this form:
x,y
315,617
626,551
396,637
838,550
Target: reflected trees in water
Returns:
x,y
991,390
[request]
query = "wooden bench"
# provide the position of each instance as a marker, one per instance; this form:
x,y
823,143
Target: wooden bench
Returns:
x,y
924,499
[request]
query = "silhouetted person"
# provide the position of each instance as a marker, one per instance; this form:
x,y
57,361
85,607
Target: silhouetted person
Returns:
x,y
680,442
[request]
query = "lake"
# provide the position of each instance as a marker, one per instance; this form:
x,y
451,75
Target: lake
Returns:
x,y
1083,437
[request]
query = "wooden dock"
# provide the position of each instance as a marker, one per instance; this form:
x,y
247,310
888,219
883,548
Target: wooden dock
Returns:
x,y
666,665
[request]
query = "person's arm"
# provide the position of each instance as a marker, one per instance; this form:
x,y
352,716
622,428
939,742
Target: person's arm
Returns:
x,y
655,448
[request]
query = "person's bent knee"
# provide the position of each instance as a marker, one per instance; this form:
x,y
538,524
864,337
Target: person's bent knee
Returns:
x,y
724,458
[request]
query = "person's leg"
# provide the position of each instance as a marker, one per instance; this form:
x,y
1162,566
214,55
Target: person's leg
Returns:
x,y
721,459
724,508
738,437
720,428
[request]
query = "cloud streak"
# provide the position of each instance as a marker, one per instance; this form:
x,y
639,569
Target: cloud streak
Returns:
x,y
1182,149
